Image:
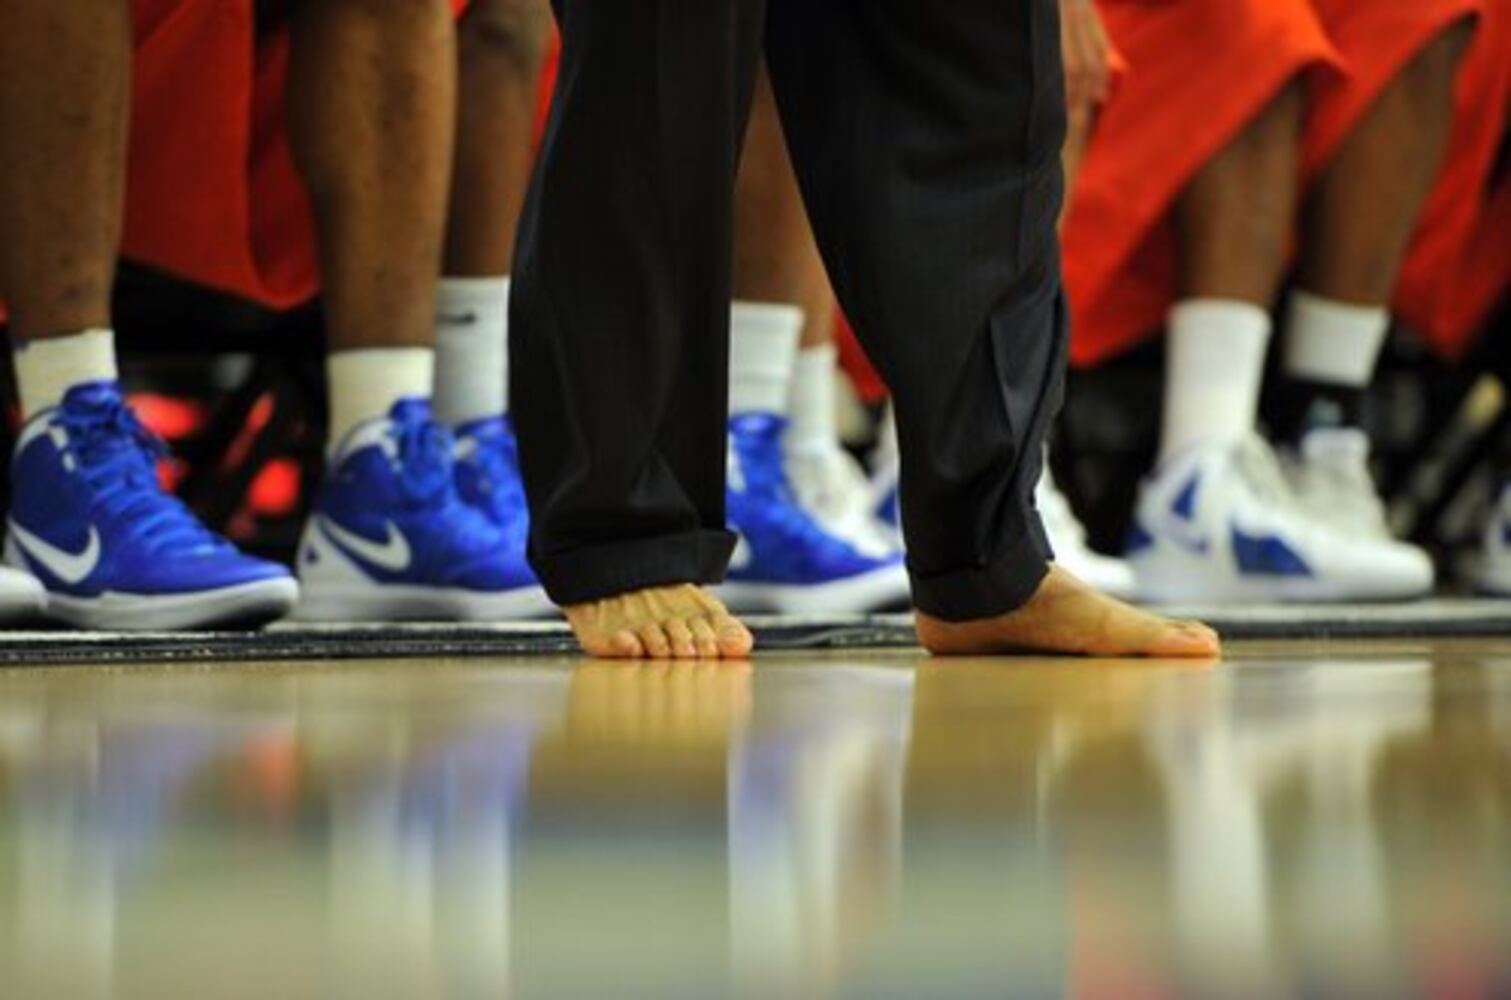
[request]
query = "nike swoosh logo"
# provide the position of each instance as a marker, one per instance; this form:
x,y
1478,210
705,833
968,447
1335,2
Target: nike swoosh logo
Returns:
x,y
72,568
459,319
391,555
742,556
1266,555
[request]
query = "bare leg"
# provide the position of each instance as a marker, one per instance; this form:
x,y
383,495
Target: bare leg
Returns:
x,y
502,45
1235,220
1079,122
501,48
775,256
1369,198
63,115
1357,226
372,90
1237,215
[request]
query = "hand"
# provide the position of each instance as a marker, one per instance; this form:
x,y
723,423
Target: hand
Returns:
x,y
1087,54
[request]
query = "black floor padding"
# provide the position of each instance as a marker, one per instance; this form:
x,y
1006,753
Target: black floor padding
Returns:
x,y
1428,619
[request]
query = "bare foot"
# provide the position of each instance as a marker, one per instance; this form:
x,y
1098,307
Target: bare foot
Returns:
x,y
1067,616
681,622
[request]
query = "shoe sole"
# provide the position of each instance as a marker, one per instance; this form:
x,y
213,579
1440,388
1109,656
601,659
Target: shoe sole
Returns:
x,y
1496,583
248,605
371,602
21,604
1175,578
869,592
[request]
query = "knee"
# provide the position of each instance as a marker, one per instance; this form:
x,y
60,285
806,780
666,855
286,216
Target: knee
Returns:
x,y
510,33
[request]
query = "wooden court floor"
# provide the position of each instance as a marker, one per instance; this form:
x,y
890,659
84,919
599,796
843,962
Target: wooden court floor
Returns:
x,y
1308,819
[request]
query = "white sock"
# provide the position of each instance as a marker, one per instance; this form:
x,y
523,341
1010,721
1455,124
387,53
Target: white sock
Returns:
x,y
1333,342
471,349
814,427
1214,373
366,383
762,351
47,369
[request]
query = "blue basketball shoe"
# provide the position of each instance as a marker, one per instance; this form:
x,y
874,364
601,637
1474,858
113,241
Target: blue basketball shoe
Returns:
x,y
113,550
1221,524
390,537
785,562
488,478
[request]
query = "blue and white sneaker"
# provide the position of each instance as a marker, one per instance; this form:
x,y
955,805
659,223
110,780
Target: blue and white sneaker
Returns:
x,y
113,550
785,562
390,538
831,486
1073,552
1222,525
886,476
21,596
488,478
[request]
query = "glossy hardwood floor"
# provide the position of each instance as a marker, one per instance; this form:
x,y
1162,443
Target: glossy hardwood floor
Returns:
x,y
1307,820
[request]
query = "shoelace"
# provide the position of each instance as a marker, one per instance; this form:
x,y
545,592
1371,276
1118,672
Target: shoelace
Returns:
x,y
835,484
498,457
1265,476
758,448
116,456
425,467
1261,470
423,451
1347,483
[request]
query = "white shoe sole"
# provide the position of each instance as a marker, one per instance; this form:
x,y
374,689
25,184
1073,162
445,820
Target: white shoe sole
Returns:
x,y
249,605
869,592
21,600
1166,576
334,589
372,602
1495,581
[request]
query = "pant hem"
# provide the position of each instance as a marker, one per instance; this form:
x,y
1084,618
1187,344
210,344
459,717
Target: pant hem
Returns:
x,y
998,588
597,573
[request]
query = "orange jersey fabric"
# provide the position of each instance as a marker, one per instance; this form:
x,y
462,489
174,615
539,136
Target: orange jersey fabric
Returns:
x,y
1459,262
1198,72
212,192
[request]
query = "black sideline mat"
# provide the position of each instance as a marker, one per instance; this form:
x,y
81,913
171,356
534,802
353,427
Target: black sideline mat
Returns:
x,y
1428,619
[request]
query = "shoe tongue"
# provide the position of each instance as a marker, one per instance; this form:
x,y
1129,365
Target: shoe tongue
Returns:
x,y
757,422
487,427
93,396
1335,444
413,409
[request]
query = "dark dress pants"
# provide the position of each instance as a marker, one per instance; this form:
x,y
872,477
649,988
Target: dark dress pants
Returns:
x,y
926,136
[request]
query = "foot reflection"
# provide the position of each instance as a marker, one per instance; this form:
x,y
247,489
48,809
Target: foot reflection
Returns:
x,y
818,827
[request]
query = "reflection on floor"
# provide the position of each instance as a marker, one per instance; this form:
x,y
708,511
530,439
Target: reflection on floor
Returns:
x,y
1328,820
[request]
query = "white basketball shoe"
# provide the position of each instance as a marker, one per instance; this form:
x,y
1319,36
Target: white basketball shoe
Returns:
x,y
1220,524
1067,535
832,487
